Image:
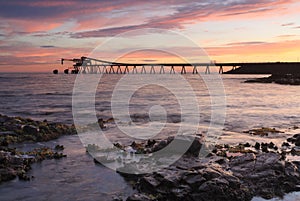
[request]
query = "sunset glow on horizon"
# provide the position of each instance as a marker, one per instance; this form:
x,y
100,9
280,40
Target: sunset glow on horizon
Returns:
x,y
34,34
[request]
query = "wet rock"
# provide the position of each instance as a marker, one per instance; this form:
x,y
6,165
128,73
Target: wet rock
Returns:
x,y
257,146
14,163
296,141
160,145
271,145
150,143
29,129
287,79
23,176
265,175
247,144
295,151
264,147
239,178
220,189
101,123
117,198
285,144
139,197
195,147
7,174
263,131
193,179
59,147
17,130
148,184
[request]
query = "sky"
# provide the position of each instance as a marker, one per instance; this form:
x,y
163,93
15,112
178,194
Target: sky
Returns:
x,y
35,34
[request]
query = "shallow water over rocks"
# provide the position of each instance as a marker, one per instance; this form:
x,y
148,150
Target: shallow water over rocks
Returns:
x,y
75,177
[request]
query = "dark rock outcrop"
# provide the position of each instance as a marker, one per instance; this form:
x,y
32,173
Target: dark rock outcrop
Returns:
x,y
267,68
219,178
14,163
290,79
17,130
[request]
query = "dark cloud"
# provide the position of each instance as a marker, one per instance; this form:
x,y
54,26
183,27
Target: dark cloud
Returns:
x,y
247,12
11,9
286,36
246,43
106,32
149,60
57,9
47,46
288,24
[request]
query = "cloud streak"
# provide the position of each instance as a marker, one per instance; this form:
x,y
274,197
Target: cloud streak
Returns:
x,y
191,12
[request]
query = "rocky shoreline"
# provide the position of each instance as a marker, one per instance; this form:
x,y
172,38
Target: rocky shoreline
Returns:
x,y
287,79
226,172
238,173
15,130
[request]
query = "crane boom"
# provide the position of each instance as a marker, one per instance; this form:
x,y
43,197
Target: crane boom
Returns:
x,y
73,60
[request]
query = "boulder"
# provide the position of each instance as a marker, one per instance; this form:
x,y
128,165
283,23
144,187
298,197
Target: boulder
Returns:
x,y
138,197
240,178
30,129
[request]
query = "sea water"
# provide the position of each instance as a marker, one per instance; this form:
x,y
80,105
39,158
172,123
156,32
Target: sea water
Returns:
x,y
46,96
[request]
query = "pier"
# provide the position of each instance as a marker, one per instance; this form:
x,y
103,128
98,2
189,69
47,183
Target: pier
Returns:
x,y
86,65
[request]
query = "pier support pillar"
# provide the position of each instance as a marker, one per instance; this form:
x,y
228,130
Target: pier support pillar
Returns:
x,y
195,71
172,70
134,70
111,70
105,70
183,71
119,69
126,70
162,70
207,70
143,70
221,70
152,70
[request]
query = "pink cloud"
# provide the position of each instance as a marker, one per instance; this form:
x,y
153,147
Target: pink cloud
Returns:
x,y
193,12
255,49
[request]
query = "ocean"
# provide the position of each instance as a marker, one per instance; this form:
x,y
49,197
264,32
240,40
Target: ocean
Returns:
x,y
232,105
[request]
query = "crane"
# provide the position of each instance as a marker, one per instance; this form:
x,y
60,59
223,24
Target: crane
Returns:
x,y
86,63
77,61
76,65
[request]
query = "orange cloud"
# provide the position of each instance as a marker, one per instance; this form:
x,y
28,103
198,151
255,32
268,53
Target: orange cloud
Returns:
x,y
283,51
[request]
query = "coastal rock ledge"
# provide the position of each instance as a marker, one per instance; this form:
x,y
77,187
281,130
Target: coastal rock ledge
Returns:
x,y
16,130
286,79
218,178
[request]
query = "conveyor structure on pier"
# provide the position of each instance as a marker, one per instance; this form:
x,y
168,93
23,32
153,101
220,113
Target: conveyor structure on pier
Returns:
x,y
86,65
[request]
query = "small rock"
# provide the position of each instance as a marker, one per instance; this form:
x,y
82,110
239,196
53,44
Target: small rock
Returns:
x,y
271,145
138,197
101,123
59,147
257,146
285,144
247,145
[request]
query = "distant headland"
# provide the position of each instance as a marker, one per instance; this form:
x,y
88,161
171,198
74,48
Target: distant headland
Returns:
x,y
281,72
279,68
